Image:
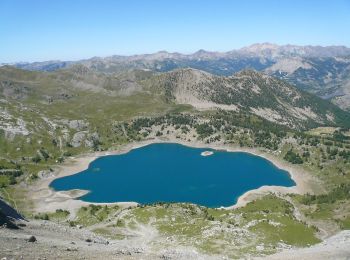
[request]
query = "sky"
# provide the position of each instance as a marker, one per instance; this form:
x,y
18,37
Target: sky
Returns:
x,y
38,30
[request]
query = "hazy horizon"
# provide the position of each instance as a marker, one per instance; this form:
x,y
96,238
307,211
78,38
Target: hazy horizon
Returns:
x,y
74,30
170,52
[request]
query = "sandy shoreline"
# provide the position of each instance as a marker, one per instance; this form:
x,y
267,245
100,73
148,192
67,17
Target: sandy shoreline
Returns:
x,y
46,199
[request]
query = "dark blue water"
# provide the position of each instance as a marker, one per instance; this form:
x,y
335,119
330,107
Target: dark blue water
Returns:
x,y
174,173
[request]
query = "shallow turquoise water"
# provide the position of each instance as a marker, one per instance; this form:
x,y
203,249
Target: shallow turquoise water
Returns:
x,y
174,173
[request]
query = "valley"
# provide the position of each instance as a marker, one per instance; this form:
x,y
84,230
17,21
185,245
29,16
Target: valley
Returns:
x,y
49,121
174,130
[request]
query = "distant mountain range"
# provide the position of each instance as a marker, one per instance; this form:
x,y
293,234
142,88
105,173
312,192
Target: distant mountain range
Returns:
x,y
324,71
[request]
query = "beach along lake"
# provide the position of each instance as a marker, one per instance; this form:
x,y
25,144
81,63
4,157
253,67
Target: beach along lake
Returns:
x,y
167,172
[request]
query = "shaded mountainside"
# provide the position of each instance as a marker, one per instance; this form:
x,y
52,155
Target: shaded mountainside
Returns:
x,y
8,215
327,77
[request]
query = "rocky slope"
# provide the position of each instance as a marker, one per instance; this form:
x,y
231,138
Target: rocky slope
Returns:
x,y
248,90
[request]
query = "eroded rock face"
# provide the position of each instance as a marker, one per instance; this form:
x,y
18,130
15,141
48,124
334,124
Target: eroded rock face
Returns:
x,y
78,138
78,124
84,138
12,126
92,140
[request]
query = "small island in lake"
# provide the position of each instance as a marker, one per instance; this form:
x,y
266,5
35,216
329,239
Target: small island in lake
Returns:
x,y
207,153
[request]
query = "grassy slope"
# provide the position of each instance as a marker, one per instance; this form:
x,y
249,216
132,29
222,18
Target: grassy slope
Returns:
x,y
266,224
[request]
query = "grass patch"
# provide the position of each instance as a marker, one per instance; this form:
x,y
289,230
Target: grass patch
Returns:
x,y
272,218
286,230
94,214
345,223
109,233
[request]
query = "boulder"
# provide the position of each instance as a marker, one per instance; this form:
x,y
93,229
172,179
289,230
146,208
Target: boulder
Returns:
x,y
32,239
78,125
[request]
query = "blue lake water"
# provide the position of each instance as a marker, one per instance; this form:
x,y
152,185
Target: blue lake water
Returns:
x,y
170,172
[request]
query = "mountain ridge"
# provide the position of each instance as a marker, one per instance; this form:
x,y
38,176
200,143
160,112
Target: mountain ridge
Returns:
x,y
257,48
247,90
319,70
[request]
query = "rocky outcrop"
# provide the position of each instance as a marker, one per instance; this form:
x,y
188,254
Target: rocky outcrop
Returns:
x,y
78,138
79,125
